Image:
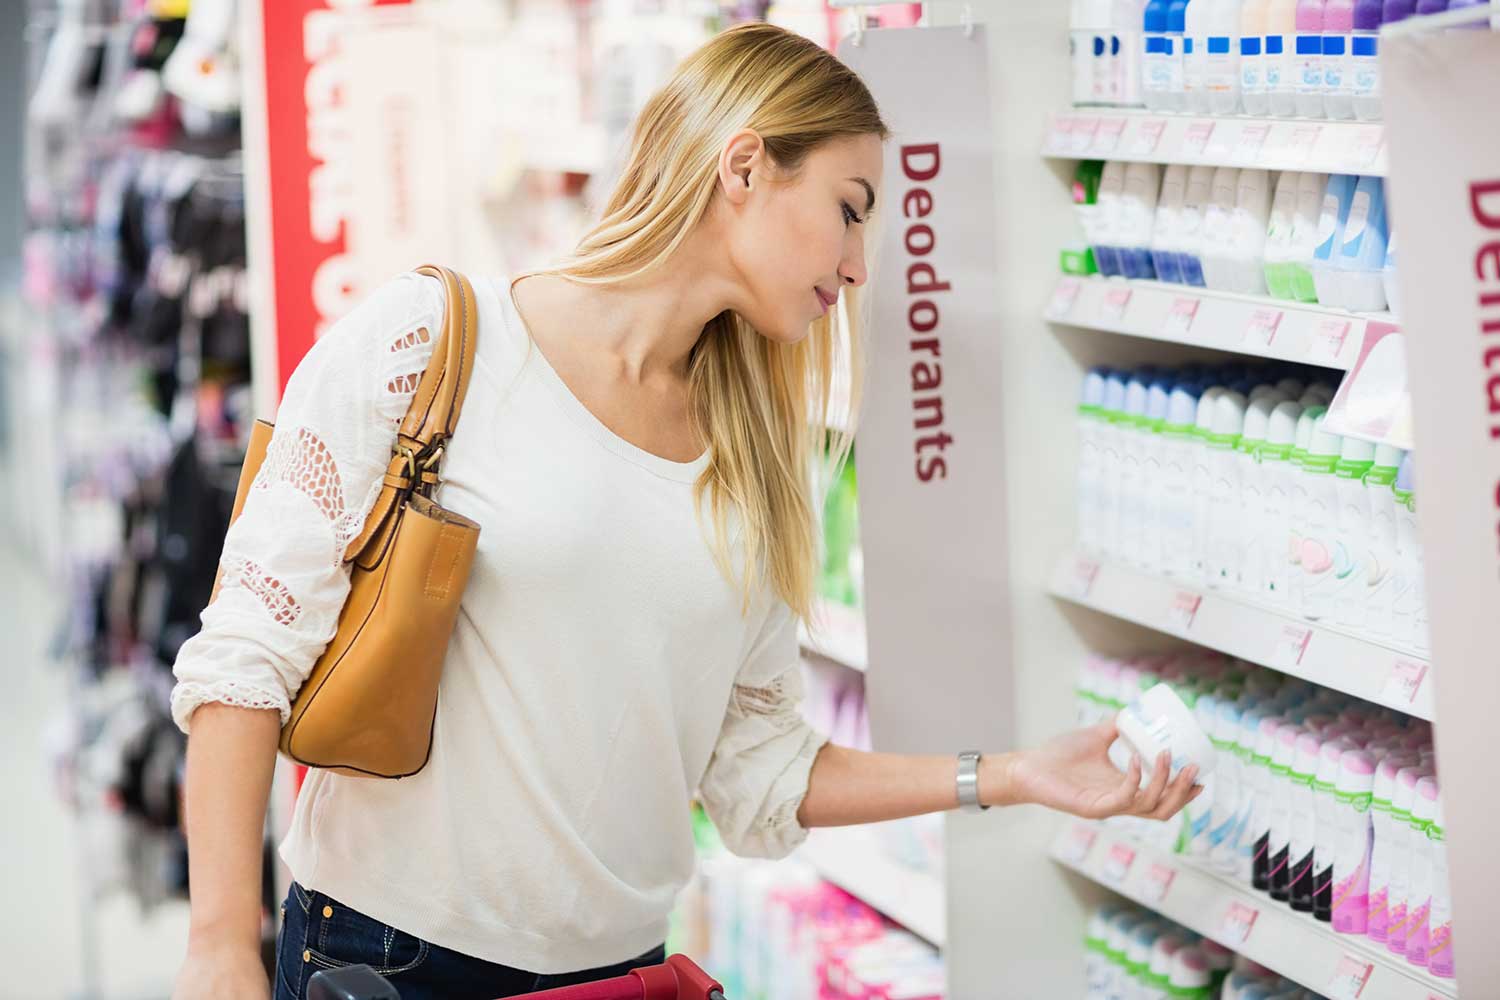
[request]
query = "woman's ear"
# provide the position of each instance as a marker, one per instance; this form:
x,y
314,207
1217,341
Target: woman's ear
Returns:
x,y
742,158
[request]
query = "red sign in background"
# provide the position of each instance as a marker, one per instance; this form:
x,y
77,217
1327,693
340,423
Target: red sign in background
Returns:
x,y
297,251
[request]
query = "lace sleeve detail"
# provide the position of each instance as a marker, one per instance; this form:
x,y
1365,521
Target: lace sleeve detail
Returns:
x,y
284,578
759,772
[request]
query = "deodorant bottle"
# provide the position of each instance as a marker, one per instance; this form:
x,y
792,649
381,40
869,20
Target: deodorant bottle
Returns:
x,y
1351,862
1279,474
1419,900
1303,826
1325,843
1352,529
1318,576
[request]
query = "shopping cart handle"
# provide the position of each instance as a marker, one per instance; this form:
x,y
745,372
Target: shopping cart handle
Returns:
x,y
356,982
678,979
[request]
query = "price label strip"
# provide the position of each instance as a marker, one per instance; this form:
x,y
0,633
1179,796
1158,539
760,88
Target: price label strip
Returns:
x,y
1180,318
1195,142
1349,978
1112,310
1291,646
1081,139
1064,298
1156,883
1107,139
1147,136
1328,341
1183,609
1252,141
1404,682
1367,145
1079,841
1058,138
1303,141
1081,582
1261,329
1239,921
1117,864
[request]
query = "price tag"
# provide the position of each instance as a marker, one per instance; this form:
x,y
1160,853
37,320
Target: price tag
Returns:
x,y
1108,137
1252,141
1239,920
1081,139
1117,864
1261,329
1304,139
1180,318
1156,883
1196,140
1328,341
1064,297
1112,310
1291,644
1404,682
1349,978
1147,136
1082,579
1367,143
1058,137
1183,610
1079,842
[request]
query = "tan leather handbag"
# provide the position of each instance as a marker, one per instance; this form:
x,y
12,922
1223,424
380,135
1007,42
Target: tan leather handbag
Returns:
x,y
367,708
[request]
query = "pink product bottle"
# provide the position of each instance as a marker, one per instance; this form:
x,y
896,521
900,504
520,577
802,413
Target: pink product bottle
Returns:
x,y
1400,891
1351,861
1381,812
1419,902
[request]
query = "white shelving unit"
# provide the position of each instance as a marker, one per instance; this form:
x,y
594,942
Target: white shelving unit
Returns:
x,y
853,859
1258,326
1264,143
1228,622
1238,917
838,634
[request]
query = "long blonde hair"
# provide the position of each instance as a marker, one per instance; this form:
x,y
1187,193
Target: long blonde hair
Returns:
x,y
758,403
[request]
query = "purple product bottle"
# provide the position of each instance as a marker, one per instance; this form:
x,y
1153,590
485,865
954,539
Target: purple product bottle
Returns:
x,y
1397,10
1426,7
1364,61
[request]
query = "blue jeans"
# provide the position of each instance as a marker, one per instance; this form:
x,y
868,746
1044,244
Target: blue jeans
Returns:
x,y
319,933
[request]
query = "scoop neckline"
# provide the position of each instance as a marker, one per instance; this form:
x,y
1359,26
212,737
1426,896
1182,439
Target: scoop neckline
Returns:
x,y
682,471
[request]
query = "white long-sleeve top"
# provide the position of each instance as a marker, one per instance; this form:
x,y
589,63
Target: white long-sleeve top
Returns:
x,y
600,671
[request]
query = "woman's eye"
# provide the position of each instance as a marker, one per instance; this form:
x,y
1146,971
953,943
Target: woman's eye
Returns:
x,y
849,215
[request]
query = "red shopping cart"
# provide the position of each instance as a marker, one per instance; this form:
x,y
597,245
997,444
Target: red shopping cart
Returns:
x,y
679,978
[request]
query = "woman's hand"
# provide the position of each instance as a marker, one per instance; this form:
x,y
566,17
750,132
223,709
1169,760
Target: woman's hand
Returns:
x,y
1072,773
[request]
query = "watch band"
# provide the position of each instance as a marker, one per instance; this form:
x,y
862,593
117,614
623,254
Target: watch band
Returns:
x,y
968,782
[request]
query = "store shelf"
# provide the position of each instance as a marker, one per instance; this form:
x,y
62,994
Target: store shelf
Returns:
x,y
1324,654
1269,144
1218,907
852,859
838,634
1245,324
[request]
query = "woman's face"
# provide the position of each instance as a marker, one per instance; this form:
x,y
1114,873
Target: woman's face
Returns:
x,y
796,242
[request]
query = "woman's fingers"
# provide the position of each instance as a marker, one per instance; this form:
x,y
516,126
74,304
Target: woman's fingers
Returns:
x,y
1178,794
1122,798
1150,797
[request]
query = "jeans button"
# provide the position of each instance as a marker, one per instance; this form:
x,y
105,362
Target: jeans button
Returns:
x,y
327,911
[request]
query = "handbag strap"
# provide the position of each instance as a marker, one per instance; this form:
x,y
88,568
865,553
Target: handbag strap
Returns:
x,y
430,419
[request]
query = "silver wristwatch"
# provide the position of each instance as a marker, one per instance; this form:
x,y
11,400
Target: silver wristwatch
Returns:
x,y
968,782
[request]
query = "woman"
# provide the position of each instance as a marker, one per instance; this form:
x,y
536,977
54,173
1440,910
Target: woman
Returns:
x,y
635,444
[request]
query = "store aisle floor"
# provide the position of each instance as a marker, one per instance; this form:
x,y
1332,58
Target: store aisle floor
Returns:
x,y
41,935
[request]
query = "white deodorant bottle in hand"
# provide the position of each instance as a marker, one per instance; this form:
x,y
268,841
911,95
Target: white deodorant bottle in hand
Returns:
x,y
1158,721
